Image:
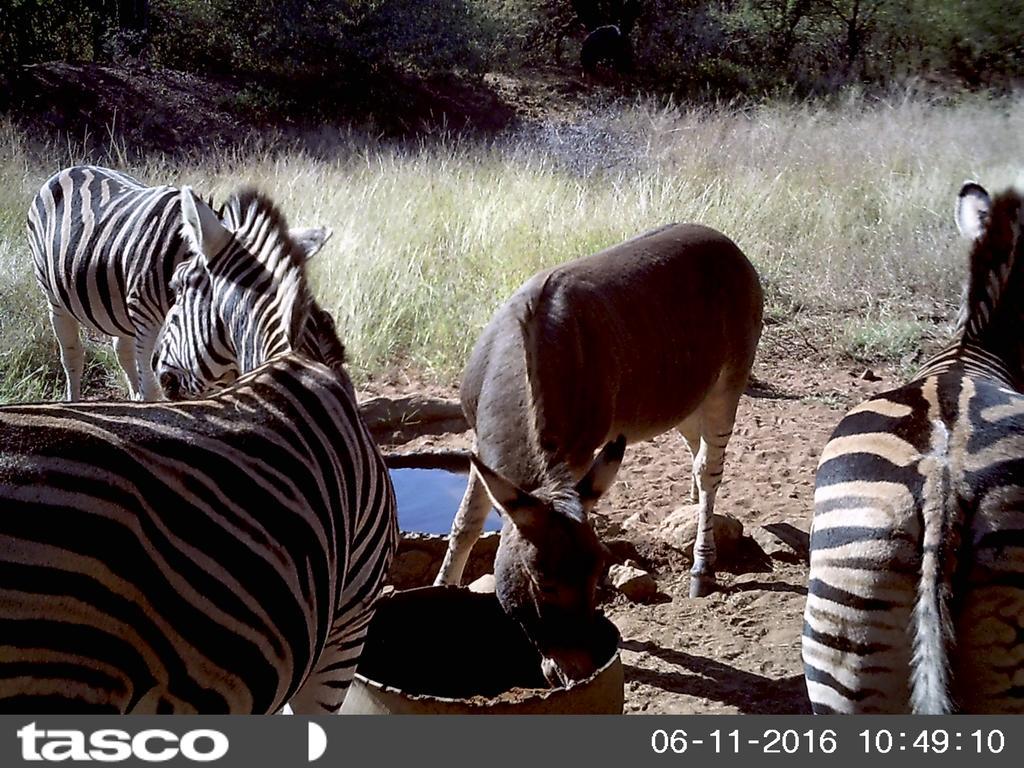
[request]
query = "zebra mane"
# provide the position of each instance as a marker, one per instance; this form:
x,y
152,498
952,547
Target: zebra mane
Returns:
x,y
320,338
995,279
262,229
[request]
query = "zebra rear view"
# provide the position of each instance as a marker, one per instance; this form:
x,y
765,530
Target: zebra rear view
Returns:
x,y
104,247
217,555
916,588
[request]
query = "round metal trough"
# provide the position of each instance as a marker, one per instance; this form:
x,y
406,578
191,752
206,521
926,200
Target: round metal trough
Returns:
x,y
446,650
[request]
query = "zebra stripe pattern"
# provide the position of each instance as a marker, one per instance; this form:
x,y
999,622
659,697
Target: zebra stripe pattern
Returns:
x,y
211,555
240,299
104,247
217,555
916,587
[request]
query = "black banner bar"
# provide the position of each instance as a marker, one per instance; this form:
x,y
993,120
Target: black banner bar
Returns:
x,y
658,741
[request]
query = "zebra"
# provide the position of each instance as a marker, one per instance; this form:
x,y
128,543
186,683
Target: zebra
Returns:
x,y
104,248
216,554
916,587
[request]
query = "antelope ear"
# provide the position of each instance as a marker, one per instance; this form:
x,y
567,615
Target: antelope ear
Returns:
x,y
602,472
525,510
972,207
201,227
311,239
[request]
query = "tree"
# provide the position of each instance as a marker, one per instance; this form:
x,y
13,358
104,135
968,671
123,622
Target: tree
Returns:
x,y
857,19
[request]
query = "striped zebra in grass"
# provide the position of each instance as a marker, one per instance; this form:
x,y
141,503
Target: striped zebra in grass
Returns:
x,y
239,287
916,588
104,248
211,555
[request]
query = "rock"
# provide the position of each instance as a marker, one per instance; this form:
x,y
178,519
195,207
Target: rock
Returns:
x,y
483,585
400,419
642,521
680,530
623,550
413,568
456,462
639,586
869,375
783,542
419,557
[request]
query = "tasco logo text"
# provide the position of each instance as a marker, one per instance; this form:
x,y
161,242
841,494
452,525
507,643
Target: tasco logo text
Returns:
x,y
111,745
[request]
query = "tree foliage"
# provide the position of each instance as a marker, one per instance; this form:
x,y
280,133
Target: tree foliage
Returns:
x,y
679,45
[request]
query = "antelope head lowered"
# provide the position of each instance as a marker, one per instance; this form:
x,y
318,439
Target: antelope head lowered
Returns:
x,y
653,334
549,561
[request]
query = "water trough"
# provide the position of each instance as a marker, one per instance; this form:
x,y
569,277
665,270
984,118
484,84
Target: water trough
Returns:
x,y
446,650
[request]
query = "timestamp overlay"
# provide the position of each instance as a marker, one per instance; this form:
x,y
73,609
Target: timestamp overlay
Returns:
x,y
524,742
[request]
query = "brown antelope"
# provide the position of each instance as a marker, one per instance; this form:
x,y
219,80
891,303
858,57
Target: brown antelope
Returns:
x,y
655,333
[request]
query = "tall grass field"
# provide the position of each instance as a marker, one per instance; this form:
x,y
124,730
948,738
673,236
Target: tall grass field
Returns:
x,y
846,211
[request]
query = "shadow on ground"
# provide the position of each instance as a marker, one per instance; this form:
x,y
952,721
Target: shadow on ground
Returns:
x,y
750,693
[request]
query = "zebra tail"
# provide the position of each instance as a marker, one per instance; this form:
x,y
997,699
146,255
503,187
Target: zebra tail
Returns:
x,y
932,622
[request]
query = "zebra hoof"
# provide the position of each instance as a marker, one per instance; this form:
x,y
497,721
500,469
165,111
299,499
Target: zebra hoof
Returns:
x,y
701,585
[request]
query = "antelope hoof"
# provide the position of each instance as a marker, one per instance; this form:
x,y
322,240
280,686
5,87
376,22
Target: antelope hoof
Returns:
x,y
702,584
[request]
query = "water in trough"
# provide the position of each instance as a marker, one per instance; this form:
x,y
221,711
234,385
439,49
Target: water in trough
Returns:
x,y
429,498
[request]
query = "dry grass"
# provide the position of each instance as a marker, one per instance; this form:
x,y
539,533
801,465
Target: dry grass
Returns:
x,y
845,210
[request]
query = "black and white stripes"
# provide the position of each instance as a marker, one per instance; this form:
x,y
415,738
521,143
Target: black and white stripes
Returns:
x,y
104,247
244,290
212,555
217,555
916,588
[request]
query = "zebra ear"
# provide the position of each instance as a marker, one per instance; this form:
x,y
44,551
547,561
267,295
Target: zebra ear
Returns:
x,y
201,227
311,239
972,207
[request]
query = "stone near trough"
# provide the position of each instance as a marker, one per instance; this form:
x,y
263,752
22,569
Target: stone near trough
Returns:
x,y
637,585
419,557
783,542
622,549
483,585
400,419
680,530
413,567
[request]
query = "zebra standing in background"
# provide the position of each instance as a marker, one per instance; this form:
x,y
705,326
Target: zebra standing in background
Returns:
x,y
916,588
213,555
233,297
104,248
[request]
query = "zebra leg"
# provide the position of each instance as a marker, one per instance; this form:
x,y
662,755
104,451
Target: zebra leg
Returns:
x,y
124,348
72,353
466,529
145,343
719,415
689,428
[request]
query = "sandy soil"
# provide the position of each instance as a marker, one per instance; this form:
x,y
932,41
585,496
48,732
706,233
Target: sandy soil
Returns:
x,y
738,650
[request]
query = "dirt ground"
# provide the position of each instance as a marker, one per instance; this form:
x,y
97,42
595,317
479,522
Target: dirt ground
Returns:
x,y
738,650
